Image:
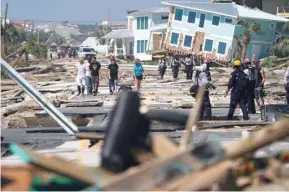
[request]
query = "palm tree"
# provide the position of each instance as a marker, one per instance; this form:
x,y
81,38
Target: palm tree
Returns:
x,y
247,34
238,47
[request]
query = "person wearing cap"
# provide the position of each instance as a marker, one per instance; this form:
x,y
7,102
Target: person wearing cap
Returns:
x,y
238,83
286,84
249,71
259,84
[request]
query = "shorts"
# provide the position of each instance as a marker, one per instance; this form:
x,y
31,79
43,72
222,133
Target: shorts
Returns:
x,y
80,81
95,79
139,78
259,92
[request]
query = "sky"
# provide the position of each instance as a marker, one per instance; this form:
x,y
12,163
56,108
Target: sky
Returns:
x,y
74,10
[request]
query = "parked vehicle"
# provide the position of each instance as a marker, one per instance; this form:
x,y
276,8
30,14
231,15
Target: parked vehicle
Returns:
x,y
86,52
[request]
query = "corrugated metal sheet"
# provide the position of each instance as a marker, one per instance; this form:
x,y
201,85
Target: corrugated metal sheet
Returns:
x,y
228,9
125,33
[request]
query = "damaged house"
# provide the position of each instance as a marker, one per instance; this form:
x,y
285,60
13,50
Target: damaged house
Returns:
x,y
209,29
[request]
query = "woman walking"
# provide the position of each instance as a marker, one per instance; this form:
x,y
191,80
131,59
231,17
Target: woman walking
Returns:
x,y
138,73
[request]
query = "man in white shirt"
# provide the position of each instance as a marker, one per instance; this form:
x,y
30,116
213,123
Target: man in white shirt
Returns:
x,y
80,78
88,81
286,84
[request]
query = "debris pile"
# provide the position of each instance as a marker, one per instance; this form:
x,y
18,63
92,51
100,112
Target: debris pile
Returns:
x,y
132,158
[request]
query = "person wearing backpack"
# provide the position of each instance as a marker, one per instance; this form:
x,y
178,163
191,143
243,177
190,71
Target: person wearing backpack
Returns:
x,y
138,73
249,71
201,79
175,66
286,84
238,83
162,67
259,84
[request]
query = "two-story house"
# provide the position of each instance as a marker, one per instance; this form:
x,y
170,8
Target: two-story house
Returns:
x,y
209,29
146,29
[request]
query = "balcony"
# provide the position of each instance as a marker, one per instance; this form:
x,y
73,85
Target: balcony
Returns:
x,y
159,25
283,11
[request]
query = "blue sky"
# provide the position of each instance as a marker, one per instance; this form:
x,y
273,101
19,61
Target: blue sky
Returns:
x,y
74,10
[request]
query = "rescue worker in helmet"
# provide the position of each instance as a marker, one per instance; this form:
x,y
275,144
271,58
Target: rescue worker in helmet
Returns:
x,y
238,83
249,70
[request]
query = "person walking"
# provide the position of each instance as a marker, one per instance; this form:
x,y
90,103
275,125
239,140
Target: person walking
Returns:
x,y
189,61
249,71
88,82
80,78
259,84
162,67
138,73
175,64
112,71
94,68
286,84
238,83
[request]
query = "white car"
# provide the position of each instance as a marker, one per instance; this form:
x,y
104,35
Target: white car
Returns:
x,y
86,52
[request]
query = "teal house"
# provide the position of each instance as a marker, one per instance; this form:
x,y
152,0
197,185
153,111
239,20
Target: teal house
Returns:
x,y
209,29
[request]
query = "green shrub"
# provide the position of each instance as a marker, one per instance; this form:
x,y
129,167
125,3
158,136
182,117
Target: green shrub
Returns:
x,y
281,49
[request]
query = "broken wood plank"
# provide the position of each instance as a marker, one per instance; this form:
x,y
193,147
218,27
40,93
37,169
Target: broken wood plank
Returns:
x,y
85,104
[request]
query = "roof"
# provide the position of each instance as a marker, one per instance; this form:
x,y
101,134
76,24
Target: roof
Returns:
x,y
152,10
227,9
116,22
255,13
124,33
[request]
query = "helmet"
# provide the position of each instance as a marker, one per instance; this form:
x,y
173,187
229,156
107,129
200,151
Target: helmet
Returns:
x,y
208,60
237,63
247,60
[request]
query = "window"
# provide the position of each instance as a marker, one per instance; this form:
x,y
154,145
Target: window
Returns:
x,y
178,14
142,23
192,17
188,41
216,20
164,17
222,48
228,20
208,45
141,46
202,20
267,50
174,38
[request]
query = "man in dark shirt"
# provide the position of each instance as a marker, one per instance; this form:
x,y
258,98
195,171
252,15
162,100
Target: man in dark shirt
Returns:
x,y
94,68
112,75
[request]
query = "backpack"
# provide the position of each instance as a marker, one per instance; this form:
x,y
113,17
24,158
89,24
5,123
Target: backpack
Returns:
x,y
138,70
194,88
242,80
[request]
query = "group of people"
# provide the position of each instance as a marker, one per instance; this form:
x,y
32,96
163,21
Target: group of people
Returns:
x,y
175,64
246,84
88,75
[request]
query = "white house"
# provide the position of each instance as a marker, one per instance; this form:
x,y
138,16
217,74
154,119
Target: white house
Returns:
x,y
146,29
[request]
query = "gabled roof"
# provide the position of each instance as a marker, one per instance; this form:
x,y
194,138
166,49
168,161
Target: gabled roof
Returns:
x,y
152,10
124,33
255,13
227,9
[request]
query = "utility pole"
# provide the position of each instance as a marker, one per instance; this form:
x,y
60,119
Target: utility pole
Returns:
x,y
3,50
38,36
108,18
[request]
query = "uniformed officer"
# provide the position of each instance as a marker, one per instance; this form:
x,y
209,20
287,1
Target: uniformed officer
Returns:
x,y
249,71
175,64
238,83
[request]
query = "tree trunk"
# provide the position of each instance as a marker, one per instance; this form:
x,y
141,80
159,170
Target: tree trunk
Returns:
x,y
15,62
244,50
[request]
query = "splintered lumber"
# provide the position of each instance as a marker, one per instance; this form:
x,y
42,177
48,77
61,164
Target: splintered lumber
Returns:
x,y
89,136
15,178
275,132
153,173
192,120
85,104
56,165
